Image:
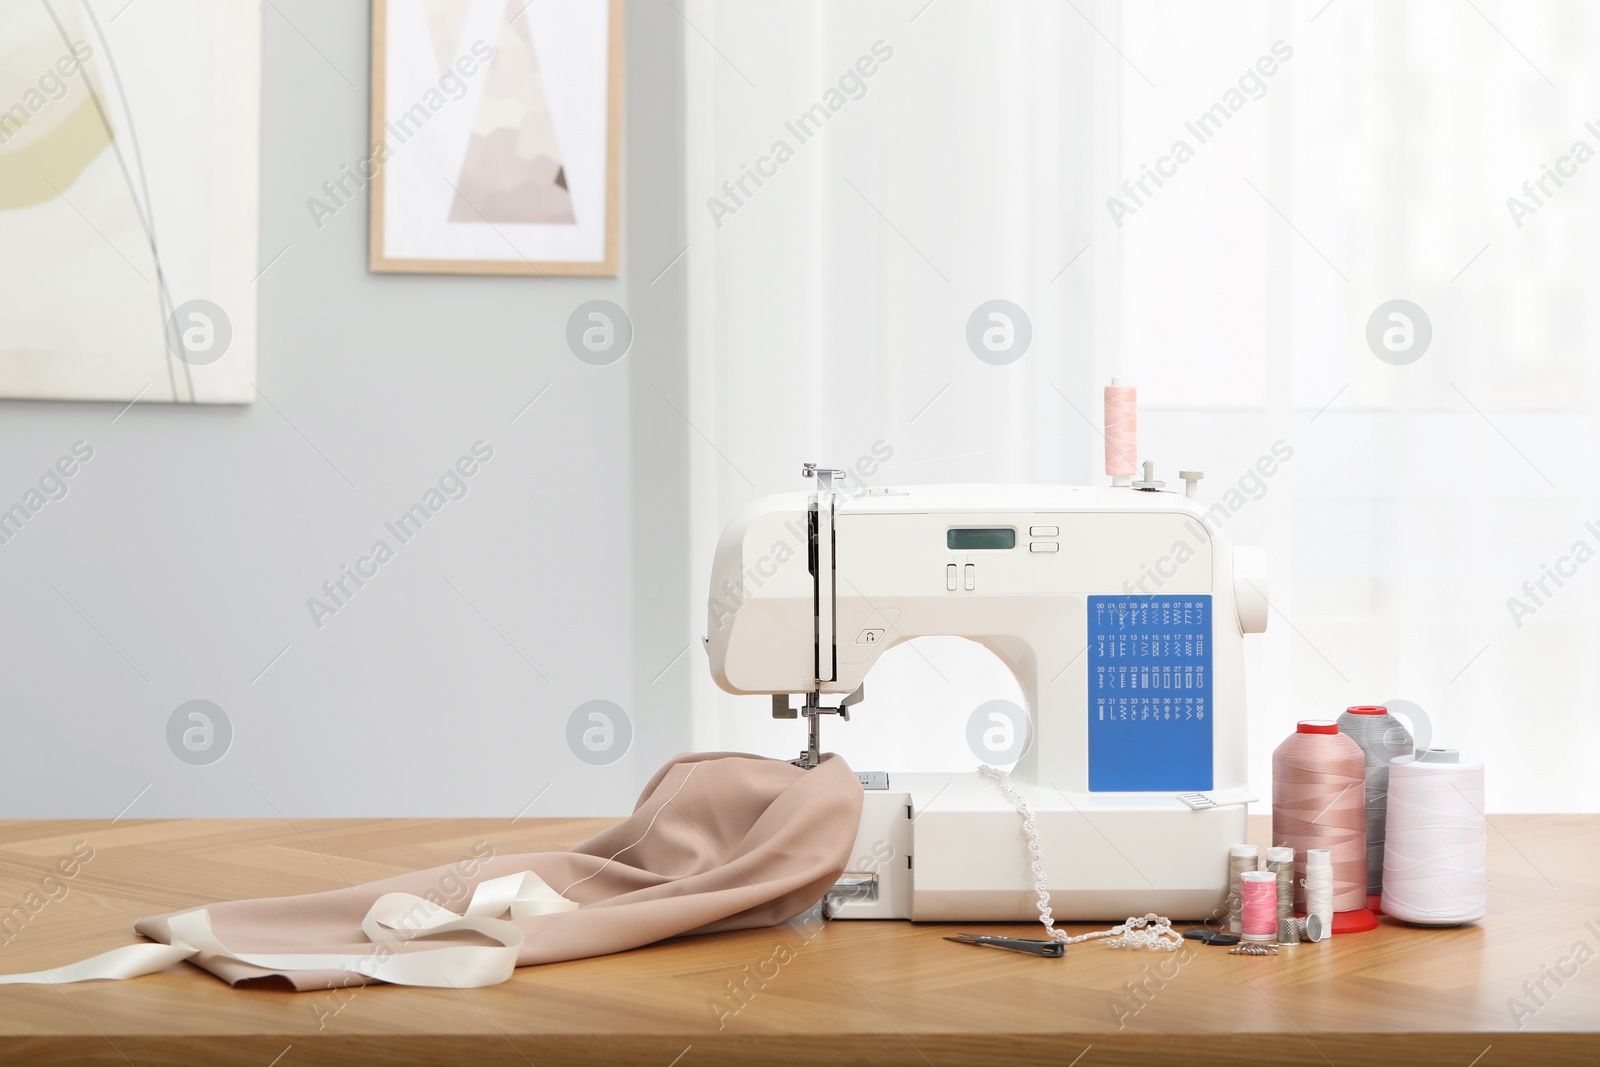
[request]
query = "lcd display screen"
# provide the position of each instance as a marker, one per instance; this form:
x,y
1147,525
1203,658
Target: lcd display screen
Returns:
x,y
971,539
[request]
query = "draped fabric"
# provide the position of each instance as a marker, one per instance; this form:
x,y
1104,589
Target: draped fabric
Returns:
x,y
718,841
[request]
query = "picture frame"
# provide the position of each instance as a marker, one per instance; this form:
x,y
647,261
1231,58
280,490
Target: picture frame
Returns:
x,y
496,137
130,157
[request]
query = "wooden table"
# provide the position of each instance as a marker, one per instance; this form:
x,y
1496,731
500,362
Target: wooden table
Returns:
x,y
843,993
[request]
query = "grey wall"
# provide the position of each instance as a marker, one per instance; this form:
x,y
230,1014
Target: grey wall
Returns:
x,y
179,565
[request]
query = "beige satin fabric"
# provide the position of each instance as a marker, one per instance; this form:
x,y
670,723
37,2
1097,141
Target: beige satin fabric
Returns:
x,y
718,841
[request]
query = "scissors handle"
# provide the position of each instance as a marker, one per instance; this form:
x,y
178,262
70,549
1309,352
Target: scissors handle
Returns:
x,y
1051,949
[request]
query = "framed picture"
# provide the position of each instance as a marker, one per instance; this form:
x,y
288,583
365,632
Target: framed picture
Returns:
x,y
496,136
129,200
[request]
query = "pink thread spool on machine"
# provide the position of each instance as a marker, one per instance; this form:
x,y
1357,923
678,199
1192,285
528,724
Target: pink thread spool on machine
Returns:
x,y
1319,802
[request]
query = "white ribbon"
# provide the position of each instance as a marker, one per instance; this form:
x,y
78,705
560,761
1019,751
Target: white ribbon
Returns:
x,y
393,919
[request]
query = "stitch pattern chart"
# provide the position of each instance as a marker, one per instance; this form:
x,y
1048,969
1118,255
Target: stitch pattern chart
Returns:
x,y
1150,705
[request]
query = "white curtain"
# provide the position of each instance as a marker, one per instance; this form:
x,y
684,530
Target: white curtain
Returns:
x,y
1363,153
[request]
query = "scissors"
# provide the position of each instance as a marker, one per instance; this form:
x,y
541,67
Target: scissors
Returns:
x,y
1052,949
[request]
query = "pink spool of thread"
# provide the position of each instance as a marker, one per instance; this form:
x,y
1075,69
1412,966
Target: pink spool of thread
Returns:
x,y
1122,430
1259,891
1319,801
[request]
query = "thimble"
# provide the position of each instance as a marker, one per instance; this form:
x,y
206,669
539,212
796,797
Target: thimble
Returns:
x,y
1289,931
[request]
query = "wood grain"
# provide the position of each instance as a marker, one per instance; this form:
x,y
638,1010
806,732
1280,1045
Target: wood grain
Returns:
x,y
845,993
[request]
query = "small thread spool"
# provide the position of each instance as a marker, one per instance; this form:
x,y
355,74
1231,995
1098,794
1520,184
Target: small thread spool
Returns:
x,y
1382,739
1433,861
1241,858
1280,861
1122,429
1319,802
1259,892
1319,890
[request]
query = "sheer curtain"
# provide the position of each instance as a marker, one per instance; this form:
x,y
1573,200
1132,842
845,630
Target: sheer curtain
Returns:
x,y
1377,166
1338,157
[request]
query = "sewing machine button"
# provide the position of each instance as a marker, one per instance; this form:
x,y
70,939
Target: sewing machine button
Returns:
x,y
950,577
972,576
1044,546
1044,531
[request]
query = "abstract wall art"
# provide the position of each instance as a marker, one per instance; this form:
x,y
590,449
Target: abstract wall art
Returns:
x,y
496,127
129,178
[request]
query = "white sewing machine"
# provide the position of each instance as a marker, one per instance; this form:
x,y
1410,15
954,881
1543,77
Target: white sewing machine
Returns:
x,y
1120,612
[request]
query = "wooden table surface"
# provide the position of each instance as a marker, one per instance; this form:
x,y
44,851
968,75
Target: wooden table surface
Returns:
x,y
844,993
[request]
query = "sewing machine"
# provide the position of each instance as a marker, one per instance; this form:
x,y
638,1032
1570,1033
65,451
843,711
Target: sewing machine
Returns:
x,y
1121,613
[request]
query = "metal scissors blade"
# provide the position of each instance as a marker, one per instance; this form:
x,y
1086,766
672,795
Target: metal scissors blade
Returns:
x,y
1052,948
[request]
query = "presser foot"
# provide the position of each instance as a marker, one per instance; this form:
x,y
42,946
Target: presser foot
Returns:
x,y
813,711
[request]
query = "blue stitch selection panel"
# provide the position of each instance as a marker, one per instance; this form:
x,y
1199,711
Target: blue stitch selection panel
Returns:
x,y
1150,709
